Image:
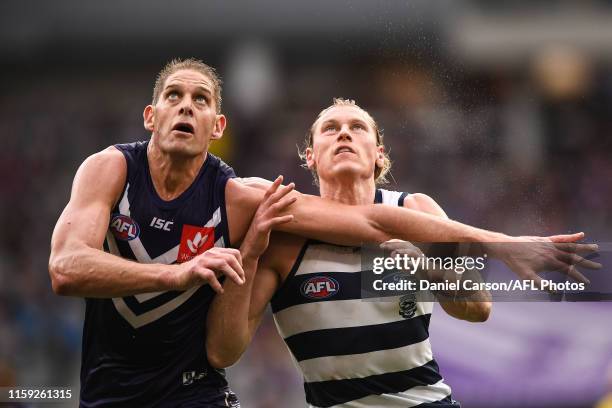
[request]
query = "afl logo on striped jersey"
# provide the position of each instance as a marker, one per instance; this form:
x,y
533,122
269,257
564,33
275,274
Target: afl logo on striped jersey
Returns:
x,y
124,228
320,287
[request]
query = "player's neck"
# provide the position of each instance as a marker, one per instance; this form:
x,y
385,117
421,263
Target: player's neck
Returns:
x,y
350,192
172,175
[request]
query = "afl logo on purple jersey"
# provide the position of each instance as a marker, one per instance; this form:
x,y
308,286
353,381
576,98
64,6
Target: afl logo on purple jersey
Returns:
x,y
320,287
124,228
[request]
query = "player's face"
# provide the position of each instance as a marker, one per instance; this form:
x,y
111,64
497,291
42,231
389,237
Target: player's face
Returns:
x,y
184,120
344,144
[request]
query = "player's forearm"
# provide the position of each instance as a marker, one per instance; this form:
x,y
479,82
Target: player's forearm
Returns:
x,y
473,306
228,331
417,226
88,272
475,309
336,223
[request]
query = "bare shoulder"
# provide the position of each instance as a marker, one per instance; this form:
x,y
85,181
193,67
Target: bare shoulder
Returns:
x,y
103,173
247,191
423,202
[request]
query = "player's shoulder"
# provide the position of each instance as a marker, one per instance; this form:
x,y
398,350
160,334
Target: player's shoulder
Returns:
x,y
108,159
103,174
283,252
423,202
221,167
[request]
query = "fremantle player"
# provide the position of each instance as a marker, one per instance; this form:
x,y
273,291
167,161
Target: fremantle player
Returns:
x,y
351,353
147,232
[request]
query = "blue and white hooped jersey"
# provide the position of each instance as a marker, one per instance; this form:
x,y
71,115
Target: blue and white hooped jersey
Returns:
x,y
356,353
149,349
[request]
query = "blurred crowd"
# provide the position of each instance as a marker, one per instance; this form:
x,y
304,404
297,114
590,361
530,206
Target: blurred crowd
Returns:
x,y
523,151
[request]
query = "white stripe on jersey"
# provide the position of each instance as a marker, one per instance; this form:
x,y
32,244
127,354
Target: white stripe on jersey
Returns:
x,y
140,320
390,197
319,258
366,364
329,314
341,313
409,398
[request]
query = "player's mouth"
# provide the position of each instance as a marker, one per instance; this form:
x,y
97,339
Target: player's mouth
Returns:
x,y
343,149
184,128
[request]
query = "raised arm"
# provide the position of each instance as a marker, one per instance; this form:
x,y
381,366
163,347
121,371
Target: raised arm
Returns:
x,y
330,221
79,267
235,315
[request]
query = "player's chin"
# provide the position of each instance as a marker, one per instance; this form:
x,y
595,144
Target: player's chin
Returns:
x,y
348,168
184,146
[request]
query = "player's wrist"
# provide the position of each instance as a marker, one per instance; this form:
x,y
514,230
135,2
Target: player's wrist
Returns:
x,y
168,279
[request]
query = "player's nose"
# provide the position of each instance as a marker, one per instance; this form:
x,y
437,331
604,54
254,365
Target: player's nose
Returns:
x,y
186,108
344,134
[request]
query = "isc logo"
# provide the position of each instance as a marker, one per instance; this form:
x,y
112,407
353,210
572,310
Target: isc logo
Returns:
x,y
161,224
320,287
124,228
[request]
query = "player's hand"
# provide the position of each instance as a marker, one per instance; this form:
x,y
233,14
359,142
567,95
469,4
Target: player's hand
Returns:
x,y
400,247
527,256
268,216
207,267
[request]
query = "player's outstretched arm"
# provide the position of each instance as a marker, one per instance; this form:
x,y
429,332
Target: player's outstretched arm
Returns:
x,y
235,315
79,267
330,221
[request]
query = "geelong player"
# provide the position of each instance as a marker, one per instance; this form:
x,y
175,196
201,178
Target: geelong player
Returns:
x,y
147,232
352,353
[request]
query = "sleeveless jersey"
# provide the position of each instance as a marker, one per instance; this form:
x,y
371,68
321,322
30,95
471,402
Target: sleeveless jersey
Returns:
x,y
149,349
352,352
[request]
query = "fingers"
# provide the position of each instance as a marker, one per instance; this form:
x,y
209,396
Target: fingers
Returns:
x,y
276,221
282,204
573,273
569,268
221,261
567,238
282,192
582,249
272,189
214,283
233,269
575,259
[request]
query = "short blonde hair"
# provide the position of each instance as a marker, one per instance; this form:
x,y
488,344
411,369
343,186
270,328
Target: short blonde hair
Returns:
x,y
380,173
188,64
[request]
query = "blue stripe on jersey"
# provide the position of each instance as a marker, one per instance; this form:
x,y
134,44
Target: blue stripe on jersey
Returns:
x,y
447,402
350,284
333,392
358,339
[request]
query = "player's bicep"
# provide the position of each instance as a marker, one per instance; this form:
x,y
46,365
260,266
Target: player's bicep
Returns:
x,y
241,201
95,189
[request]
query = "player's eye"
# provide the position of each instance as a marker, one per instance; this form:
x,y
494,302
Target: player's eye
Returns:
x,y
329,128
358,126
172,95
201,99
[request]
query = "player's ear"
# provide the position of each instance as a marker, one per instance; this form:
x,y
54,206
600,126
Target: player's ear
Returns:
x,y
149,118
220,123
310,158
380,156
